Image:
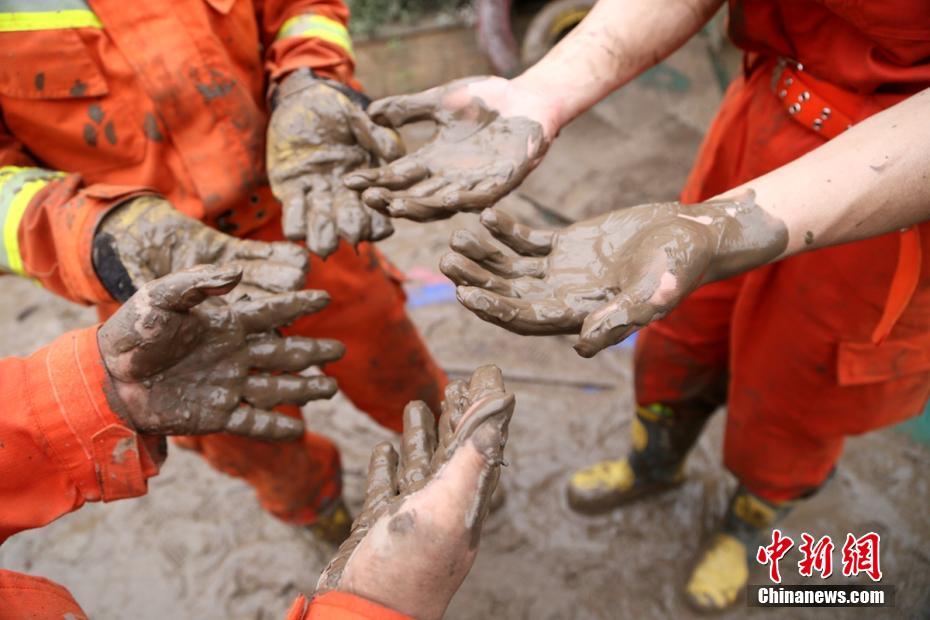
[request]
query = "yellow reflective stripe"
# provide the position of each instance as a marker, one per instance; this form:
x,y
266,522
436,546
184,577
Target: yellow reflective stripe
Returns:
x,y
48,20
18,186
319,27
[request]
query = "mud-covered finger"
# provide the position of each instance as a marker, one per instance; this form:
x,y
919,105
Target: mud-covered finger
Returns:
x,y
183,290
292,195
399,174
263,425
416,209
614,322
520,238
402,109
322,233
382,142
493,259
352,220
521,316
259,315
417,446
292,354
464,272
454,403
381,485
486,380
267,391
381,226
270,276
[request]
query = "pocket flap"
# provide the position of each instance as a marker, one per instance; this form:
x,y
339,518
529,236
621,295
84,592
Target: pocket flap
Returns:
x,y
859,363
48,64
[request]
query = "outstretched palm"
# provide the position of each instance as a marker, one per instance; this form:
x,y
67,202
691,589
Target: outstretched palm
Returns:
x,y
417,535
484,147
181,364
602,278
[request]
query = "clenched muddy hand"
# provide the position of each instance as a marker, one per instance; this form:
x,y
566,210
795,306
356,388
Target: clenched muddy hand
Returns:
x,y
146,238
417,535
315,136
488,140
183,364
606,277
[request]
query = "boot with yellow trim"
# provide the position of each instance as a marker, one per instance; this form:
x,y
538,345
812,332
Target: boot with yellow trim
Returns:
x,y
661,439
720,575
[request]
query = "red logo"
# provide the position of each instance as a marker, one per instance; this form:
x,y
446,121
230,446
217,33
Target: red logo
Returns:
x,y
773,553
817,556
860,555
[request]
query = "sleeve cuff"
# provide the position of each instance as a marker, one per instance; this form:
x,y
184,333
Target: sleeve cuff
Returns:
x,y
335,605
67,217
66,387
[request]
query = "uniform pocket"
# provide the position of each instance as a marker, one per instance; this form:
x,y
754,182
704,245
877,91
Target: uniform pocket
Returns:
x,y
860,363
55,99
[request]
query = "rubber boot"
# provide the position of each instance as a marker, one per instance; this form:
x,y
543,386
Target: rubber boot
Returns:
x,y
661,439
719,577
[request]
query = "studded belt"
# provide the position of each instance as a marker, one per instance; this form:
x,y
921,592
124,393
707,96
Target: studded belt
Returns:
x,y
806,101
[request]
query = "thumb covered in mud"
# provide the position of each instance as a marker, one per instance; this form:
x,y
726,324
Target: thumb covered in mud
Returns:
x,y
612,323
384,143
402,109
183,290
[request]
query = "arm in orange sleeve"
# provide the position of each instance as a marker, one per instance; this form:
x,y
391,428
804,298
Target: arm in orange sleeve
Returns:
x,y
47,223
336,605
60,443
307,33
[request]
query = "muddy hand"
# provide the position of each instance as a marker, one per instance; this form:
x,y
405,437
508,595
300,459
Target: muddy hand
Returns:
x,y
182,365
490,136
146,238
606,277
417,535
315,136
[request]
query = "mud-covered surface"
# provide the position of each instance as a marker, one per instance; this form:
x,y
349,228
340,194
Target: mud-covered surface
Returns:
x,y
198,546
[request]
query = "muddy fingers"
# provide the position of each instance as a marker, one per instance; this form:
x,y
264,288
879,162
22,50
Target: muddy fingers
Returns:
x,y
258,315
266,391
263,425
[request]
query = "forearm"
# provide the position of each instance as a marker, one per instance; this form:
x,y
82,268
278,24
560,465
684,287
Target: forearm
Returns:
x,y
617,40
872,179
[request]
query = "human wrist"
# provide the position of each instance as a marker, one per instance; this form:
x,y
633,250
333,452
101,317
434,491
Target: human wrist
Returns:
x,y
746,235
545,104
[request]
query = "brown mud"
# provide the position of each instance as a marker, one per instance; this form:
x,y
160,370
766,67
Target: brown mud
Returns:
x,y
477,155
315,136
180,365
424,511
605,277
198,545
149,239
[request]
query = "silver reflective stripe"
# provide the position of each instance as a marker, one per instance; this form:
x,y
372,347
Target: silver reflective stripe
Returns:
x,y
42,6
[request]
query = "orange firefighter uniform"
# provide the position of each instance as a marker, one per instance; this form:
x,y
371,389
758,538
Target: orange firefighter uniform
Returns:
x,y
102,100
61,446
823,345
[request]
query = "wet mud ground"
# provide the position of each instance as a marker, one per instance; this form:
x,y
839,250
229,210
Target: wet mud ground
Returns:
x,y
198,546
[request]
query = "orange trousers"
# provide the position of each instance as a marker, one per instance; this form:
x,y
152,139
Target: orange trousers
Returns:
x,y
787,347
386,365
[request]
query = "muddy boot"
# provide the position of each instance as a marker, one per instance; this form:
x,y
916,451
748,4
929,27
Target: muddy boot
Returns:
x,y
333,524
661,440
720,575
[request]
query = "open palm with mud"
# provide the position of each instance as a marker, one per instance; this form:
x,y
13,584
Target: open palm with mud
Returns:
x,y
602,278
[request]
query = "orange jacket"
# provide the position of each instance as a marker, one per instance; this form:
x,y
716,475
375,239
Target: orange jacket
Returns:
x,y
61,445
165,96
